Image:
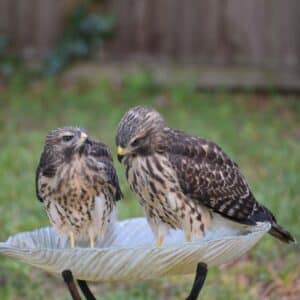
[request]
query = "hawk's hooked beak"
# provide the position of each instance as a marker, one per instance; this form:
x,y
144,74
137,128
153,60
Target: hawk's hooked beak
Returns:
x,y
121,153
82,139
83,136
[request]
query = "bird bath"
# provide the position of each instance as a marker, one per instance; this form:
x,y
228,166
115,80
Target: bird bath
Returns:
x,y
128,251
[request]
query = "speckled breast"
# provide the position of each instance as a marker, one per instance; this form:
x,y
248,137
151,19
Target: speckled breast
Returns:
x,y
152,179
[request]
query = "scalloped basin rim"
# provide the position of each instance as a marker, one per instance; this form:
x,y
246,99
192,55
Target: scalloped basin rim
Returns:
x,y
128,251
196,244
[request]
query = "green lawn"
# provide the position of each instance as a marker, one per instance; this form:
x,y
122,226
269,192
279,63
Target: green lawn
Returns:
x,y
262,133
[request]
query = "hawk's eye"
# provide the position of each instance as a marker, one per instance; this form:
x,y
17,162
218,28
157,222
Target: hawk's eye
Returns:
x,y
135,142
67,138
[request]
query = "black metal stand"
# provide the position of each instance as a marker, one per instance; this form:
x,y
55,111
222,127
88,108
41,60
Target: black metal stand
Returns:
x,y
201,274
200,277
69,280
86,290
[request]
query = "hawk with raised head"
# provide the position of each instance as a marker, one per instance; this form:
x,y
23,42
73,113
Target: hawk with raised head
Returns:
x,y
77,183
182,181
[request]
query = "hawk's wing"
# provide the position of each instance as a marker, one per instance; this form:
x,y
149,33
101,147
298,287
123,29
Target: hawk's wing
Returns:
x,y
37,175
206,174
101,153
45,168
99,150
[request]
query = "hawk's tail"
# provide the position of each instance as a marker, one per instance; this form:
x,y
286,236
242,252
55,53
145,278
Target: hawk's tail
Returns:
x,y
277,231
280,233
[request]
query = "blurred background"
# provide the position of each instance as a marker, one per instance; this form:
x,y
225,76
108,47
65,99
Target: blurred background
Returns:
x,y
228,70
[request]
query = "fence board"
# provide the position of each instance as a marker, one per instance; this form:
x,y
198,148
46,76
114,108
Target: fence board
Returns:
x,y
49,19
25,22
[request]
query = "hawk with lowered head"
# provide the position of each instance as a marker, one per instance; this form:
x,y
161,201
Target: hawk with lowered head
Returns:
x,y
183,181
77,183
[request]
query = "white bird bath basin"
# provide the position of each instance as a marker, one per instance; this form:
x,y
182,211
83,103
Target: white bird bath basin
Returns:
x,y
128,251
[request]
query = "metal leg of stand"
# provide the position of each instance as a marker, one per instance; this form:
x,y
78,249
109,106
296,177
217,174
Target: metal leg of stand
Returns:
x,y
69,280
86,290
200,277
201,274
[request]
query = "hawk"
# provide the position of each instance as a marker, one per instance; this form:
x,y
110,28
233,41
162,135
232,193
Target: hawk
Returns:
x,y
184,181
77,183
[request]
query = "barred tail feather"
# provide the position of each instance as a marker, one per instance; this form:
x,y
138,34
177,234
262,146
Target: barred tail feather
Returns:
x,y
281,234
262,215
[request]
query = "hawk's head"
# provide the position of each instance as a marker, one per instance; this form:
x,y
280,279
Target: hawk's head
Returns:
x,y
63,143
140,132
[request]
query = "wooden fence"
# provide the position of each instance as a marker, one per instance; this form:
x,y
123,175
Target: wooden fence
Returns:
x,y
264,33
217,32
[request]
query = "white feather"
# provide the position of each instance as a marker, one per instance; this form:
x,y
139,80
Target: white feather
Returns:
x,y
101,218
228,227
172,199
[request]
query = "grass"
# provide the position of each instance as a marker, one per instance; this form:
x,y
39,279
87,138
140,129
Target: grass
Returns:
x,y
262,133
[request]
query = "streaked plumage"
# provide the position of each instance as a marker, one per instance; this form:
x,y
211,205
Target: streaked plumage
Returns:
x,y
77,183
182,181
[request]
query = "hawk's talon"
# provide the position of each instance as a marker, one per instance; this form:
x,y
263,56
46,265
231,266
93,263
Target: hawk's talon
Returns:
x,y
159,241
188,237
92,241
72,240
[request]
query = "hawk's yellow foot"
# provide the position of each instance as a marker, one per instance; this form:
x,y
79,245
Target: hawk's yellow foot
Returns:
x,y
188,236
92,241
159,241
72,240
